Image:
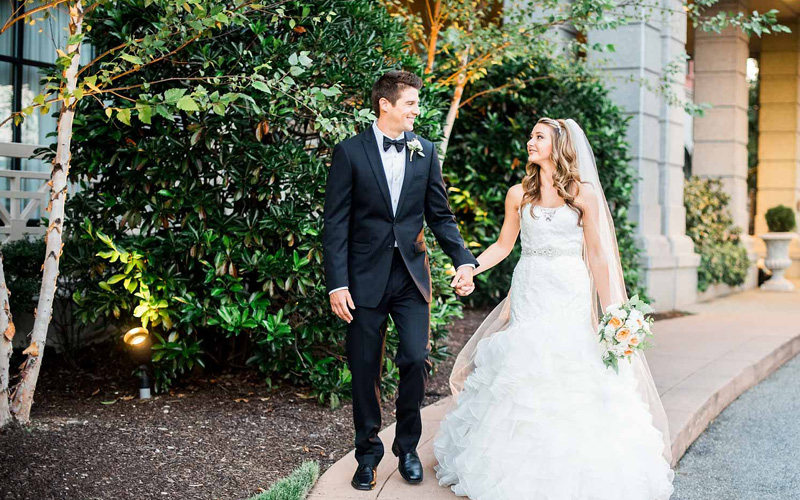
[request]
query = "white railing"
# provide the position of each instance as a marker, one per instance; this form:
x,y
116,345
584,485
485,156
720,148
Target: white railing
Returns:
x,y
22,205
23,195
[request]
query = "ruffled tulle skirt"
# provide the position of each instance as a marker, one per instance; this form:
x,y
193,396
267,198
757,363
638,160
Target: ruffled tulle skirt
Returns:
x,y
541,418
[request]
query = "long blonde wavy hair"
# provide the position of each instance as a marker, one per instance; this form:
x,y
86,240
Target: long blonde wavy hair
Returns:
x,y
565,158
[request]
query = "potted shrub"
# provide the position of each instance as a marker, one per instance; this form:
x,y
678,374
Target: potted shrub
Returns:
x,y
781,223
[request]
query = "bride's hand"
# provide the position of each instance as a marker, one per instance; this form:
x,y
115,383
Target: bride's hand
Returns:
x,y
463,289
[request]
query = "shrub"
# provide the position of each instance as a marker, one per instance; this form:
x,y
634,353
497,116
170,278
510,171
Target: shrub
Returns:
x,y
723,258
780,219
208,227
22,262
488,155
294,487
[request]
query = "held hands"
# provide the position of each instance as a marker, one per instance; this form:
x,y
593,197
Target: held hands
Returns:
x,y
340,302
462,281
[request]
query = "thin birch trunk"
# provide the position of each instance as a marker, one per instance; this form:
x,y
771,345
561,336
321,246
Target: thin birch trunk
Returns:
x,y
6,346
22,397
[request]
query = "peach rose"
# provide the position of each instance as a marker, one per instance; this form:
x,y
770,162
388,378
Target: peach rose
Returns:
x,y
628,352
634,340
615,322
623,334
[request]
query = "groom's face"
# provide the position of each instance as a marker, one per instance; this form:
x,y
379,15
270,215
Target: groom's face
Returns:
x,y
402,113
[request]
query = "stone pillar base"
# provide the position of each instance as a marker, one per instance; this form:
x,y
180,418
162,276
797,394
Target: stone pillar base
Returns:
x,y
794,253
751,244
669,265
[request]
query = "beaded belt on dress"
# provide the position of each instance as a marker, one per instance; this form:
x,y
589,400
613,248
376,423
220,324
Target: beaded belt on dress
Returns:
x,y
549,251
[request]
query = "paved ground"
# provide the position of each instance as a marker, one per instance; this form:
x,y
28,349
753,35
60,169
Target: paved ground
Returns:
x,y
752,450
701,363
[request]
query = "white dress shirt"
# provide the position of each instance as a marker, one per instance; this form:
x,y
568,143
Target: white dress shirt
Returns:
x,y
394,167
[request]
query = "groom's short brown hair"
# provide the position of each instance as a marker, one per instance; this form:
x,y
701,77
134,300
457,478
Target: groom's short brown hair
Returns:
x,y
390,85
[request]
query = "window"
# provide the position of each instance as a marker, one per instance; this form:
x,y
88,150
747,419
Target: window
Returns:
x,y
25,50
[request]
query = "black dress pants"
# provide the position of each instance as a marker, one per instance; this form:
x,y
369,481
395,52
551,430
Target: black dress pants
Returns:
x,y
366,341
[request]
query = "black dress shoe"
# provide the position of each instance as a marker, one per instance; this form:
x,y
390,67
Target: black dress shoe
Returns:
x,y
410,467
364,478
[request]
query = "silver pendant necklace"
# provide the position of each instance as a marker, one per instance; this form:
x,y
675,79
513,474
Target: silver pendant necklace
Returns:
x,y
549,212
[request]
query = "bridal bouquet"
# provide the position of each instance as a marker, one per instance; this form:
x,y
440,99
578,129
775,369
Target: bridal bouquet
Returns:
x,y
623,329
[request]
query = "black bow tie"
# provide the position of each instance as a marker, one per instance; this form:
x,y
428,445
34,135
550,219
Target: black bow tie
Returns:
x,y
399,144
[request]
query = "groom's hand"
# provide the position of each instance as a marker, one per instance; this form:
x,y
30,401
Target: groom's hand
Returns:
x,y
462,281
340,301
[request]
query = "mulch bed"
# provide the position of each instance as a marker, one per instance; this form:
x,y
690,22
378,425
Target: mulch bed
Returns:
x,y
226,437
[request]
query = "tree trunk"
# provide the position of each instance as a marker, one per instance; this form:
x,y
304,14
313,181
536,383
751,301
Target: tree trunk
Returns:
x,y
436,25
6,346
22,397
461,82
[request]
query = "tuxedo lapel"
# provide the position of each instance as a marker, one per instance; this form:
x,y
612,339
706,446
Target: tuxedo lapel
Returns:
x,y
371,149
409,170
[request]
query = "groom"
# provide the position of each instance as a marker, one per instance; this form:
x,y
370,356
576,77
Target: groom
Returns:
x,y
382,184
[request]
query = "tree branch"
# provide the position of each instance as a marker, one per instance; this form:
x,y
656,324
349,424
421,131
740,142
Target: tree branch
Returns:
x,y
27,13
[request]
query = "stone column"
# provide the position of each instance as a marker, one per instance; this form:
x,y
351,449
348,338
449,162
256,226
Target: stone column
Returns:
x,y
671,162
720,137
655,135
779,130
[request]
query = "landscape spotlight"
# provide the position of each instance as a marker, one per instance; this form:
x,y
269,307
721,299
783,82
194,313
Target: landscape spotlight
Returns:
x,y
138,339
136,336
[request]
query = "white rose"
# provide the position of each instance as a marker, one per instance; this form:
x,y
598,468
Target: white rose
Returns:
x,y
636,314
619,349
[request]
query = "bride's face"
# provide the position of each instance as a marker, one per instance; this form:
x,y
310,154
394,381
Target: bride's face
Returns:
x,y
540,144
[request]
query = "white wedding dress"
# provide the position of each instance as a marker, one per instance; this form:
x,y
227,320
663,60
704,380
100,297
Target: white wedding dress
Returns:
x,y
541,417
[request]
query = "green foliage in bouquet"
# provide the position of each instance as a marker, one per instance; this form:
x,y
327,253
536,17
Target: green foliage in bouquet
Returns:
x,y
488,155
617,330
780,219
206,225
723,258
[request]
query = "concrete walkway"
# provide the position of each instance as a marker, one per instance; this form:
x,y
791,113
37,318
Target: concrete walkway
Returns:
x,y
701,363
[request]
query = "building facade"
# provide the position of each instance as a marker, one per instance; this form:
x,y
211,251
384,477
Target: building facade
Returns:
x,y
665,142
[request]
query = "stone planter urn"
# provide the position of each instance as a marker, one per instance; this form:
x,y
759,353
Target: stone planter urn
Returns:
x,y
778,261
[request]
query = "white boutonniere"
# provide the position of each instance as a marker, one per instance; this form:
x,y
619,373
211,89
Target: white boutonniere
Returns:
x,y
414,146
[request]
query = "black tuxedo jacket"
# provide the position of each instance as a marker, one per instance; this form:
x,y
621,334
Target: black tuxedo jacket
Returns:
x,y
360,230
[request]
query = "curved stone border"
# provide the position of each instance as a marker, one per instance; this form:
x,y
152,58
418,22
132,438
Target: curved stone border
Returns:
x,y
748,377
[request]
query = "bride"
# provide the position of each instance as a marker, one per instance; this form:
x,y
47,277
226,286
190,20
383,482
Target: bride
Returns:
x,y
536,415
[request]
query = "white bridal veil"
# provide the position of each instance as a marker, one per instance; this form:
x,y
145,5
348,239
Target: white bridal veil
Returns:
x,y
498,319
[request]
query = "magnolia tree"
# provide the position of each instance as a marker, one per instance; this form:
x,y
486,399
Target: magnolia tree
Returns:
x,y
460,39
182,23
